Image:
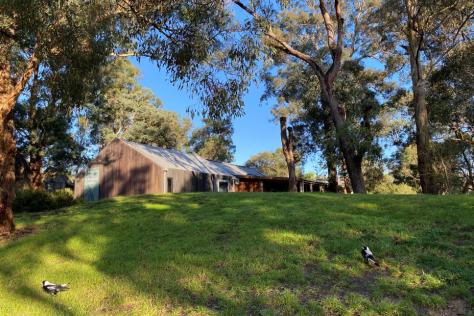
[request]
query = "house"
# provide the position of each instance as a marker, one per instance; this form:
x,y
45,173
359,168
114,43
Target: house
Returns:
x,y
127,168
58,182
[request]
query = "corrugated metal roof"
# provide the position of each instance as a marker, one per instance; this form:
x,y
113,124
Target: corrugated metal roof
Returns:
x,y
175,159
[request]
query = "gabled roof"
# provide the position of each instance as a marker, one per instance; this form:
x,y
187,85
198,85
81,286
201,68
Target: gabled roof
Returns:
x,y
175,159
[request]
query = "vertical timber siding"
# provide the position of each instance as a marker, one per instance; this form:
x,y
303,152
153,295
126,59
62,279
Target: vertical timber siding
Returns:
x,y
79,186
124,171
249,185
189,181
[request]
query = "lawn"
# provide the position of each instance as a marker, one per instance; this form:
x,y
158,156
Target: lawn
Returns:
x,y
245,254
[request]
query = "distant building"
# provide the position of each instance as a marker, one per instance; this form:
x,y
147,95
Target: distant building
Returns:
x,y
127,168
58,183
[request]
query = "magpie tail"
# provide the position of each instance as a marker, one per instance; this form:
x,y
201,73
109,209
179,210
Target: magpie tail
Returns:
x,y
374,262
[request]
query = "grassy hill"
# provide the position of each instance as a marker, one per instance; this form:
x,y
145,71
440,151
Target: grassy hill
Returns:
x,y
245,254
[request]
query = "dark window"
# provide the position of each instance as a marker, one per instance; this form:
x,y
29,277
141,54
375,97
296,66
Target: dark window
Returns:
x,y
223,186
170,185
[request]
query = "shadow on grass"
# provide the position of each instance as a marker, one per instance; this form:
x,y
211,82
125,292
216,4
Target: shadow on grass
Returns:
x,y
255,254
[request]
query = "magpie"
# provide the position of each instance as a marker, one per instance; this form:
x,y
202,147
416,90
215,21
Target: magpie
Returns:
x,y
368,256
52,288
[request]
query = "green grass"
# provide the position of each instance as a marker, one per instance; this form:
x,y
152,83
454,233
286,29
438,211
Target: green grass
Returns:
x,y
245,254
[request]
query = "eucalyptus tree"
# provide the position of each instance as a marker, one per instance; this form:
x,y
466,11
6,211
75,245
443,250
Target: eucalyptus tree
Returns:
x,y
421,34
34,37
43,140
359,92
317,35
214,140
199,45
451,99
182,37
284,113
271,163
124,109
299,99
451,95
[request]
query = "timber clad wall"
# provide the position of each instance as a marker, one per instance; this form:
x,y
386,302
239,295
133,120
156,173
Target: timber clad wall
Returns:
x,y
79,186
191,181
249,185
124,171
127,168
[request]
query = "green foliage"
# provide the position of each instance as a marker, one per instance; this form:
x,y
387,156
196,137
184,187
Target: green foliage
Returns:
x,y
197,44
387,186
245,254
159,128
126,110
373,173
405,168
311,175
41,200
359,92
271,163
42,132
214,140
451,94
51,51
451,100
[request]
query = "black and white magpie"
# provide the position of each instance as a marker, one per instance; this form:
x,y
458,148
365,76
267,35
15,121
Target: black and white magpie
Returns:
x,y
52,288
368,256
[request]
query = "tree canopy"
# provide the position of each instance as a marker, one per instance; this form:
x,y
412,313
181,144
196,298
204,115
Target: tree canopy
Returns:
x,y
214,140
270,163
124,109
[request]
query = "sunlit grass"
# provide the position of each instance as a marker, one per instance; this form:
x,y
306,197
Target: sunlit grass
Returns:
x,y
245,254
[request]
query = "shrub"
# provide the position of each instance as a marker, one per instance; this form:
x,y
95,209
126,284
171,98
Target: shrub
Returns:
x,y
393,188
62,198
27,200
388,186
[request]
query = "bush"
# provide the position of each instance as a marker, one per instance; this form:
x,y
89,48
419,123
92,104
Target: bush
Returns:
x,y
388,186
392,188
40,200
63,198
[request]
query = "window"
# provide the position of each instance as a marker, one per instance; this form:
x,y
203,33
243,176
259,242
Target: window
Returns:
x,y
169,185
223,186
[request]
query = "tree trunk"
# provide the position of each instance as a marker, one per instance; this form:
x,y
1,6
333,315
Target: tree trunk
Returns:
x,y
333,185
287,143
36,164
346,183
36,135
350,156
7,151
330,155
470,178
10,90
423,139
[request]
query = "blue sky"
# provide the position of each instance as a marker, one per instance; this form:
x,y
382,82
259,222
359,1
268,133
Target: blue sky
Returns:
x,y
253,133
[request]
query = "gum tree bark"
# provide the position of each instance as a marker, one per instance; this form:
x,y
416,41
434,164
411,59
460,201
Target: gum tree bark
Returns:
x,y
330,156
7,152
36,164
287,144
10,90
423,138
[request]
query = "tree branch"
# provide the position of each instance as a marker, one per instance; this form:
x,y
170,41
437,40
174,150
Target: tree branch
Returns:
x,y
454,44
329,26
31,68
8,33
281,44
157,26
335,46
